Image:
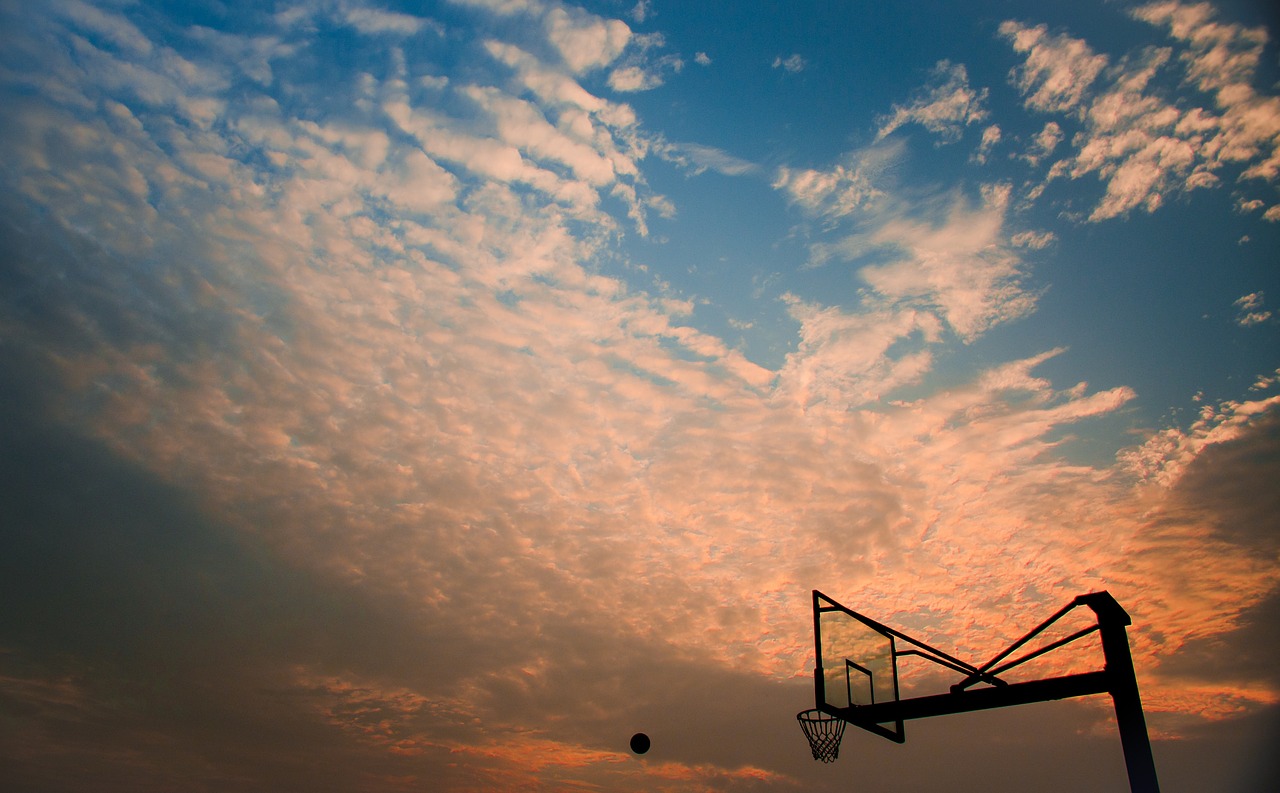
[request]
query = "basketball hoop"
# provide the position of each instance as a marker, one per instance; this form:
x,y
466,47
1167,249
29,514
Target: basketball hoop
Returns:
x,y
824,733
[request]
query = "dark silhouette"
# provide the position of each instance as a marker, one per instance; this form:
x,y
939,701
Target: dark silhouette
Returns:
x,y
843,681
639,743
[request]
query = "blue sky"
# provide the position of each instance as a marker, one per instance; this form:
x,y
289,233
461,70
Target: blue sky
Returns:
x,y
412,395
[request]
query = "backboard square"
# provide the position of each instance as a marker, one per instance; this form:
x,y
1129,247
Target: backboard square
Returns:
x,y
856,660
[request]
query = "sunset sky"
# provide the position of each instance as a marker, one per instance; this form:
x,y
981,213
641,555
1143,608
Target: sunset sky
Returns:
x,y
405,396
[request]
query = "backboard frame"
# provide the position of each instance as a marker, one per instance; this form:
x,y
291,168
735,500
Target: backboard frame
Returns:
x,y
847,709
839,665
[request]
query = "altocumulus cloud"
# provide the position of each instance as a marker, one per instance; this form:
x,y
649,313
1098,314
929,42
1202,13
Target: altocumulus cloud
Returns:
x,y
338,458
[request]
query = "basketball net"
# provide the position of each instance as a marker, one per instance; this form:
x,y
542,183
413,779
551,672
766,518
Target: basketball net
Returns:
x,y
824,733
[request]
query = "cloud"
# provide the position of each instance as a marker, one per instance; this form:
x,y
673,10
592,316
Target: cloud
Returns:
x,y
843,359
1058,70
1035,240
948,259
793,63
1166,455
550,85
633,78
1265,381
1222,56
1251,311
507,7
638,75
843,190
1142,144
336,427
701,158
1212,471
1222,59
373,22
944,107
959,265
592,140
253,54
1134,142
838,192
584,40
990,137
702,59
112,27
1044,143
523,125
640,70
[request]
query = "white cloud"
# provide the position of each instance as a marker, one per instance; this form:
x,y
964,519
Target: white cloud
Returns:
x,y
950,260
843,190
506,7
634,78
1142,144
1263,382
842,359
253,54
793,63
1058,70
161,79
584,40
513,141
835,193
1223,59
702,59
1148,171
1222,56
945,106
961,266
699,158
417,184
641,71
1251,310
1272,214
990,137
549,84
523,125
110,26
1164,457
372,21
1044,142
1035,240
1137,142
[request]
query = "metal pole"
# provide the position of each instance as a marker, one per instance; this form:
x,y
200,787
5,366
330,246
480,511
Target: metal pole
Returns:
x,y
1112,620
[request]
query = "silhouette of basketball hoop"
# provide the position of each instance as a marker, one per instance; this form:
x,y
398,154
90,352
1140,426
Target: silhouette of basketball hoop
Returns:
x,y
856,680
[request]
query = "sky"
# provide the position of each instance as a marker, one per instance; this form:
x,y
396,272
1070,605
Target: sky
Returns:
x,y
431,395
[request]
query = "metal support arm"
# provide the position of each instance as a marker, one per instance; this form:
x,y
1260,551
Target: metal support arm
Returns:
x,y
975,699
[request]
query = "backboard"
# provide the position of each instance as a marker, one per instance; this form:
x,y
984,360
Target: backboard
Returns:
x,y
857,663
